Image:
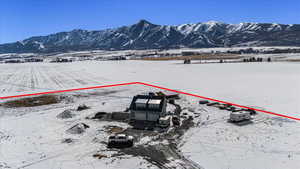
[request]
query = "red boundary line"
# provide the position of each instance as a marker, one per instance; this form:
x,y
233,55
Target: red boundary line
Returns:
x,y
151,85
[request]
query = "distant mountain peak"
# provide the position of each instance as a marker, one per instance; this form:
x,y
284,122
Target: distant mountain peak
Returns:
x,y
212,22
144,21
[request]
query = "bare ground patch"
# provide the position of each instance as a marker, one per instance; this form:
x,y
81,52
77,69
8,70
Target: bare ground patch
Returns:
x,y
162,155
33,101
293,60
51,99
113,129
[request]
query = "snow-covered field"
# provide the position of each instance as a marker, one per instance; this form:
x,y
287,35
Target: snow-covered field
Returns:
x,y
34,137
272,86
269,143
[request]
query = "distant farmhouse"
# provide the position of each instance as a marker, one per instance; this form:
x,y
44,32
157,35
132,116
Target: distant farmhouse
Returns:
x,y
62,60
34,60
14,61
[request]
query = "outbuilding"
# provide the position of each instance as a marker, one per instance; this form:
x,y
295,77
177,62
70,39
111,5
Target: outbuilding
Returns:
x,y
148,108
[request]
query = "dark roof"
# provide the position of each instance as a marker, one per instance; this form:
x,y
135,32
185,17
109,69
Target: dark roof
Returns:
x,y
148,97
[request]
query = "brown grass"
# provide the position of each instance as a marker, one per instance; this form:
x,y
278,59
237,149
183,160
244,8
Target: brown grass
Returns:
x,y
32,101
114,129
293,60
194,57
99,156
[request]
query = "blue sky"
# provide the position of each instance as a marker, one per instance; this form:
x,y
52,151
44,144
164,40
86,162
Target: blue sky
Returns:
x,y
20,19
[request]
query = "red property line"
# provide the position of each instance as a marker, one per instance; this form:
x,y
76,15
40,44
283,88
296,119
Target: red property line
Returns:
x,y
147,84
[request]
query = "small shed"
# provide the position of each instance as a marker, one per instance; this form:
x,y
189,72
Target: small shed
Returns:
x,y
147,108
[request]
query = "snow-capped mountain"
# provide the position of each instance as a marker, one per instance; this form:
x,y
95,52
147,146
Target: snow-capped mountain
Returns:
x,y
145,35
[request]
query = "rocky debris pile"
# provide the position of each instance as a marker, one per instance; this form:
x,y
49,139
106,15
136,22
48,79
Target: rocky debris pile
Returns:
x,y
4,136
82,107
78,128
68,140
4,165
66,114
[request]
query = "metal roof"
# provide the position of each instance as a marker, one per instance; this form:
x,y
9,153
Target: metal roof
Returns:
x,y
141,101
154,101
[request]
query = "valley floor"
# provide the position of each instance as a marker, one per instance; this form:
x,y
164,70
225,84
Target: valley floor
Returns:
x,y
34,137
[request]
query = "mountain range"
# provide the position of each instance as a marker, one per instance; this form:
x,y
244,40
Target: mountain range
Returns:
x,y
146,35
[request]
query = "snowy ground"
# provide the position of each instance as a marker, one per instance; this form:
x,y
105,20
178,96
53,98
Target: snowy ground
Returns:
x,y
270,142
32,137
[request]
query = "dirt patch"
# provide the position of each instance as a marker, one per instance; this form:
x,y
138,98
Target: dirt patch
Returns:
x,y
153,154
157,147
33,101
99,156
114,129
293,60
162,155
166,155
